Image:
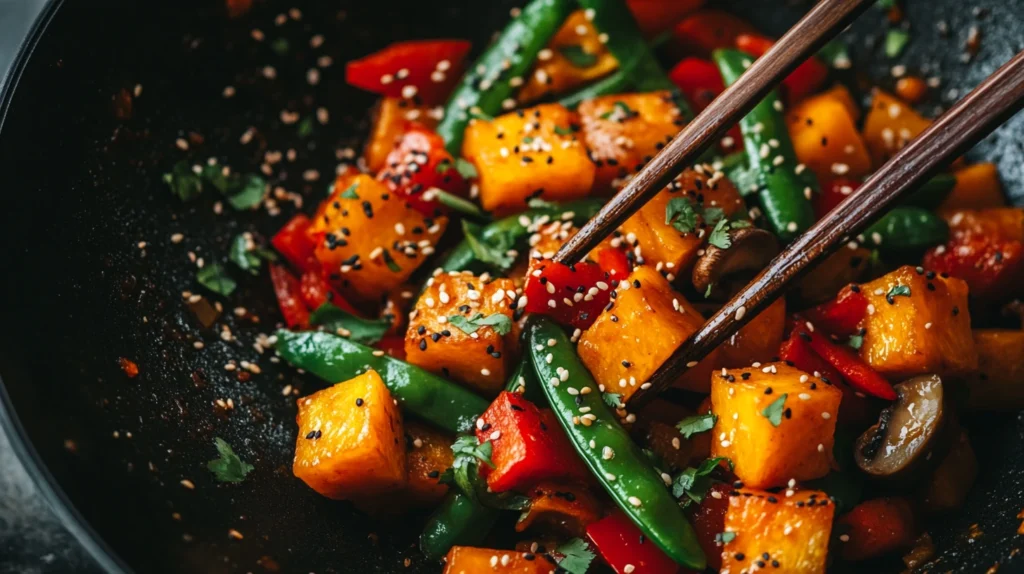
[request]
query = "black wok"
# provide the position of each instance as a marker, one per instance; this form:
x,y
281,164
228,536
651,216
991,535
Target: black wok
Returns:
x,y
82,189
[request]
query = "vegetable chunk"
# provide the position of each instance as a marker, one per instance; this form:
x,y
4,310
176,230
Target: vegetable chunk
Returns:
x,y
351,442
389,122
890,125
460,328
571,60
776,532
774,423
999,383
428,454
826,140
917,323
469,560
528,154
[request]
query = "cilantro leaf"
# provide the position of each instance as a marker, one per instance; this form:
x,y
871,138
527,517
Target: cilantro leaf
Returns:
x,y
228,467
464,475
498,321
458,204
835,54
897,291
466,169
856,341
577,56
613,400
773,412
725,537
469,446
696,424
390,262
564,131
719,236
350,193
707,292
620,112
895,40
364,331
487,252
247,256
712,215
304,129
184,182
215,278
695,482
681,214
576,556
247,192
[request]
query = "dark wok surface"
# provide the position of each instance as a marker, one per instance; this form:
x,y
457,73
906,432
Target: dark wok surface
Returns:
x,y
82,189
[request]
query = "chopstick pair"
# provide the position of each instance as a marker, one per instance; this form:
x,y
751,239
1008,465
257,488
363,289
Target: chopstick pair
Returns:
x,y
996,99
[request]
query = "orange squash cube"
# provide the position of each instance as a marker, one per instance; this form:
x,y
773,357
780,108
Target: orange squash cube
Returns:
x,y
645,323
428,454
977,187
996,222
389,121
351,442
927,330
998,385
624,131
889,125
826,140
469,560
661,245
758,340
793,531
368,240
480,359
565,509
775,423
555,73
528,154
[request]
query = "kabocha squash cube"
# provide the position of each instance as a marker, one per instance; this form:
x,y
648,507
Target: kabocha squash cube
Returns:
x,y
351,442
889,125
389,121
428,454
664,246
999,382
368,240
532,153
636,333
776,532
775,423
1000,222
917,323
461,328
977,187
469,560
826,140
624,131
561,67
758,340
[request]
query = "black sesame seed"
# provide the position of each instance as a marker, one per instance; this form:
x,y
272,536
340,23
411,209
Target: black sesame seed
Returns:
x,y
359,402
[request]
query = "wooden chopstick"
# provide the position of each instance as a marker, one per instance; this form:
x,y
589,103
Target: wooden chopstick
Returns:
x,y
817,27
996,99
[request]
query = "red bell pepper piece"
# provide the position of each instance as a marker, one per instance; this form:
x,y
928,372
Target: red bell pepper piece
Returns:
x,y
801,82
422,69
289,297
701,82
292,242
705,31
528,446
393,345
621,543
418,163
832,194
992,267
569,295
709,522
614,262
841,316
315,291
848,363
853,408
876,527
656,16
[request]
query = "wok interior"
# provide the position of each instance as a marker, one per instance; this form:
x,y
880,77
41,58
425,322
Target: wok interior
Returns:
x,y
83,192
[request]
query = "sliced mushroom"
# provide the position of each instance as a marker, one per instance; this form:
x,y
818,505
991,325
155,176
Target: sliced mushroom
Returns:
x,y
750,250
912,435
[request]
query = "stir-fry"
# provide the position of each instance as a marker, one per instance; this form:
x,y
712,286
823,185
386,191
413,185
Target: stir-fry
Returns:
x,y
472,376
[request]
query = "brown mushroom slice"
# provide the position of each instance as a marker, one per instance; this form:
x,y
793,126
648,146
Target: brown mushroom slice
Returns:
x,y
749,251
912,435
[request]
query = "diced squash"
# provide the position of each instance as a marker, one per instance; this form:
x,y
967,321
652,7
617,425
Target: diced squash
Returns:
x,y
999,382
469,560
890,124
758,340
351,442
428,454
841,94
368,240
528,154
624,131
977,187
560,68
826,140
560,509
632,338
660,242
876,527
748,402
389,122
948,486
479,359
843,267
777,533
913,329
996,222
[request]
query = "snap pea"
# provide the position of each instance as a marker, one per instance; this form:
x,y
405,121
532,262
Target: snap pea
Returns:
x,y
510,56
906,229
784,194
335,359
609,452
932,192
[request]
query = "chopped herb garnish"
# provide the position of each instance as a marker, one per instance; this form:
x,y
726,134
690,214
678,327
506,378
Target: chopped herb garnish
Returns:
x,y
576,556
613,400
228,467
499,322
696,424
895,40
707,292
719,236
538,203
578,57
773,412
305,127
280,46
336,320
622,110
456,203
390,262
215,278
693,483
725,537
480,115
184,182
855,341
563,131
493,253
681,214
246,192
249,257
350,193
897,291
466,169
835,53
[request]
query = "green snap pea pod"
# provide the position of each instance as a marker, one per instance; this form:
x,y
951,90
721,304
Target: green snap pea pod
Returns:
x,y
613,457
906,229
511,56
784,194
932,192
335,359
616,83
510,233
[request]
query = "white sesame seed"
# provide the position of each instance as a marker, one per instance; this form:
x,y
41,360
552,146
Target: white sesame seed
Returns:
x,y
741,312
634,501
